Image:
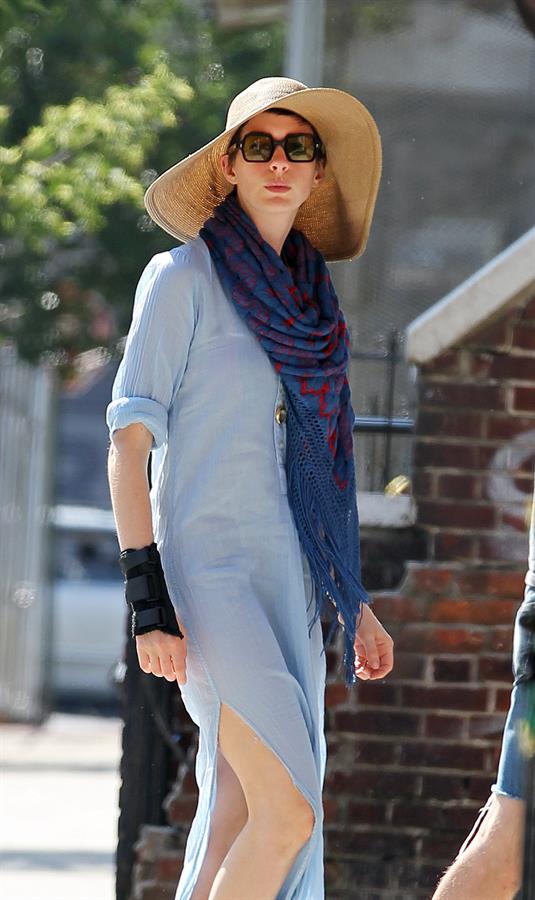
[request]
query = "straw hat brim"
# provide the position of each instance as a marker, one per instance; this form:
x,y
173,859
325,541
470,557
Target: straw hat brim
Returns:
x,y
337,215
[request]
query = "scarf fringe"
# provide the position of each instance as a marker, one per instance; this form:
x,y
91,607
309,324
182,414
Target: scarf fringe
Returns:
x,y
342,593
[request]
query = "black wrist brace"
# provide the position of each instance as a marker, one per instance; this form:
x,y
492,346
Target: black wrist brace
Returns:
x,y
146,591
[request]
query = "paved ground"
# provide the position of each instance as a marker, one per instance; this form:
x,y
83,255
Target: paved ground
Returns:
x,y
59,808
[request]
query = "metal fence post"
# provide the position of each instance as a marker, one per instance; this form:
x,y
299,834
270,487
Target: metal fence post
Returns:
x,y
305,41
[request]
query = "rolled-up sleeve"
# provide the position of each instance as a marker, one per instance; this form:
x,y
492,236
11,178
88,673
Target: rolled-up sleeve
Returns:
x,y
157,345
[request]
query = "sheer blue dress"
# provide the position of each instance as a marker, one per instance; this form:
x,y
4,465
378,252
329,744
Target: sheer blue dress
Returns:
x,y
199,380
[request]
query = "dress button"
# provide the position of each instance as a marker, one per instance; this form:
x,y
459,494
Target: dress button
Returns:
x,y
280,414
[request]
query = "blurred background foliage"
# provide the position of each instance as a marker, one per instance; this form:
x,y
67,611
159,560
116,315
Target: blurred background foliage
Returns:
x,y
96,100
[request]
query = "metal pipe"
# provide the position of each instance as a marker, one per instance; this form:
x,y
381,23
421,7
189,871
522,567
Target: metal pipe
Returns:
x,y
392,354
383,424
305,41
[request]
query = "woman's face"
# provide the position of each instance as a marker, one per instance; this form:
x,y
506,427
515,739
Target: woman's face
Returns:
x,y
252,178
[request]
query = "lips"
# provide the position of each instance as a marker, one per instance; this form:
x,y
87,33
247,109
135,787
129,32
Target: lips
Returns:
x,y
277,187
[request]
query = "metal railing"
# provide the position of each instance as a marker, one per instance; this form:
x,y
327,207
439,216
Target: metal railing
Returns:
x,y
386,422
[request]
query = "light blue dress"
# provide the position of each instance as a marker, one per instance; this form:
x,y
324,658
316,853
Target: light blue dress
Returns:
x,y
199,380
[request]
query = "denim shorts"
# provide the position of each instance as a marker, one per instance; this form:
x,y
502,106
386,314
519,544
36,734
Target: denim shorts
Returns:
x,y
517,746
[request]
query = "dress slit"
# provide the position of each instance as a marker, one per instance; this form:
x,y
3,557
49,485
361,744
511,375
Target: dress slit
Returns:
x,y
297,882
287,890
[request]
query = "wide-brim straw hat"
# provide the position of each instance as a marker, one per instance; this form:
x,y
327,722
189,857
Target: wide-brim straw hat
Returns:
x,y
337,215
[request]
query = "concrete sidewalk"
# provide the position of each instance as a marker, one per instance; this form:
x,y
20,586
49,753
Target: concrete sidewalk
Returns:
x,y
59,797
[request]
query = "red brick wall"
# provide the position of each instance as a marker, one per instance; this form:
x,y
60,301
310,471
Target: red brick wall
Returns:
x,y
411,759
475,442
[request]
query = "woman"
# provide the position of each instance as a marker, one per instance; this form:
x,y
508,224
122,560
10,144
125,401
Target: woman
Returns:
x,y
234,375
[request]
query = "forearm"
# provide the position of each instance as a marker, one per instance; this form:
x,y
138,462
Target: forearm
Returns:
x,y
129,490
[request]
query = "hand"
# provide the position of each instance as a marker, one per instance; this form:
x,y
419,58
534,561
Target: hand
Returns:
x,y
163,654
374,648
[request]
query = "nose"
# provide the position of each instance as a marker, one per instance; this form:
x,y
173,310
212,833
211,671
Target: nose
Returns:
x,y
278,161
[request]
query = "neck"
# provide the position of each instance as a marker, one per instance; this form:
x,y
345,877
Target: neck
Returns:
x,y
274,227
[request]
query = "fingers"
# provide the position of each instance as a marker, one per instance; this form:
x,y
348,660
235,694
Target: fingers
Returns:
x,y
143,658
163,655
381,671
374,656
366,671
362,671
386,661
179,669
362,664
172,668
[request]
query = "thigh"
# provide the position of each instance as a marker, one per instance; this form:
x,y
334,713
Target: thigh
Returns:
x,y
263,777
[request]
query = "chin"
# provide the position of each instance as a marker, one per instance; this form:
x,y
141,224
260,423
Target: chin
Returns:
x,y
290,200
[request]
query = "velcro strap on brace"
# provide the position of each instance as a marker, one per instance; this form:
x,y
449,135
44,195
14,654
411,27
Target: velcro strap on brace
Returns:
x,y
141,587
155,617
129,559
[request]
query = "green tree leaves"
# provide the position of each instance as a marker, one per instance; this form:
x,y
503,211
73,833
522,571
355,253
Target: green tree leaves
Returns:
x,y
98,100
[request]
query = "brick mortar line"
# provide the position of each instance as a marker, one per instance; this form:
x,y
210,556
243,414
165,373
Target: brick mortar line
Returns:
x,y
445,439
382,829
509,411
417,738
431,469
398,769
459,501
480,531
412,709
475,743
473,380
473,625
448,593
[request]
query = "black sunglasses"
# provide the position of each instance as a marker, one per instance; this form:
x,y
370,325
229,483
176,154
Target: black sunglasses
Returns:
x,y
259,146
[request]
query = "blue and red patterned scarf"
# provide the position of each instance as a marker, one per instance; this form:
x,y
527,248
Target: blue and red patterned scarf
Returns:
x,y
293,310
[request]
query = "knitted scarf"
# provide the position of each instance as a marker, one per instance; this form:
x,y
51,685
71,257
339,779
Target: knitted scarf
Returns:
x,y
293,311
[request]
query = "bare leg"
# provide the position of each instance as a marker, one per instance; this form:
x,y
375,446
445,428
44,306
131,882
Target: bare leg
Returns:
x,y
228,818
280,818
490,866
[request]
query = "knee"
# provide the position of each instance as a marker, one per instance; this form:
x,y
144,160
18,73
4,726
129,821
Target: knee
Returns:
x,y
307,820
292,818
304,817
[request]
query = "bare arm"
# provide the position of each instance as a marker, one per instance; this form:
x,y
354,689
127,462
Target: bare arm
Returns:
x,y
158,652
129,486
